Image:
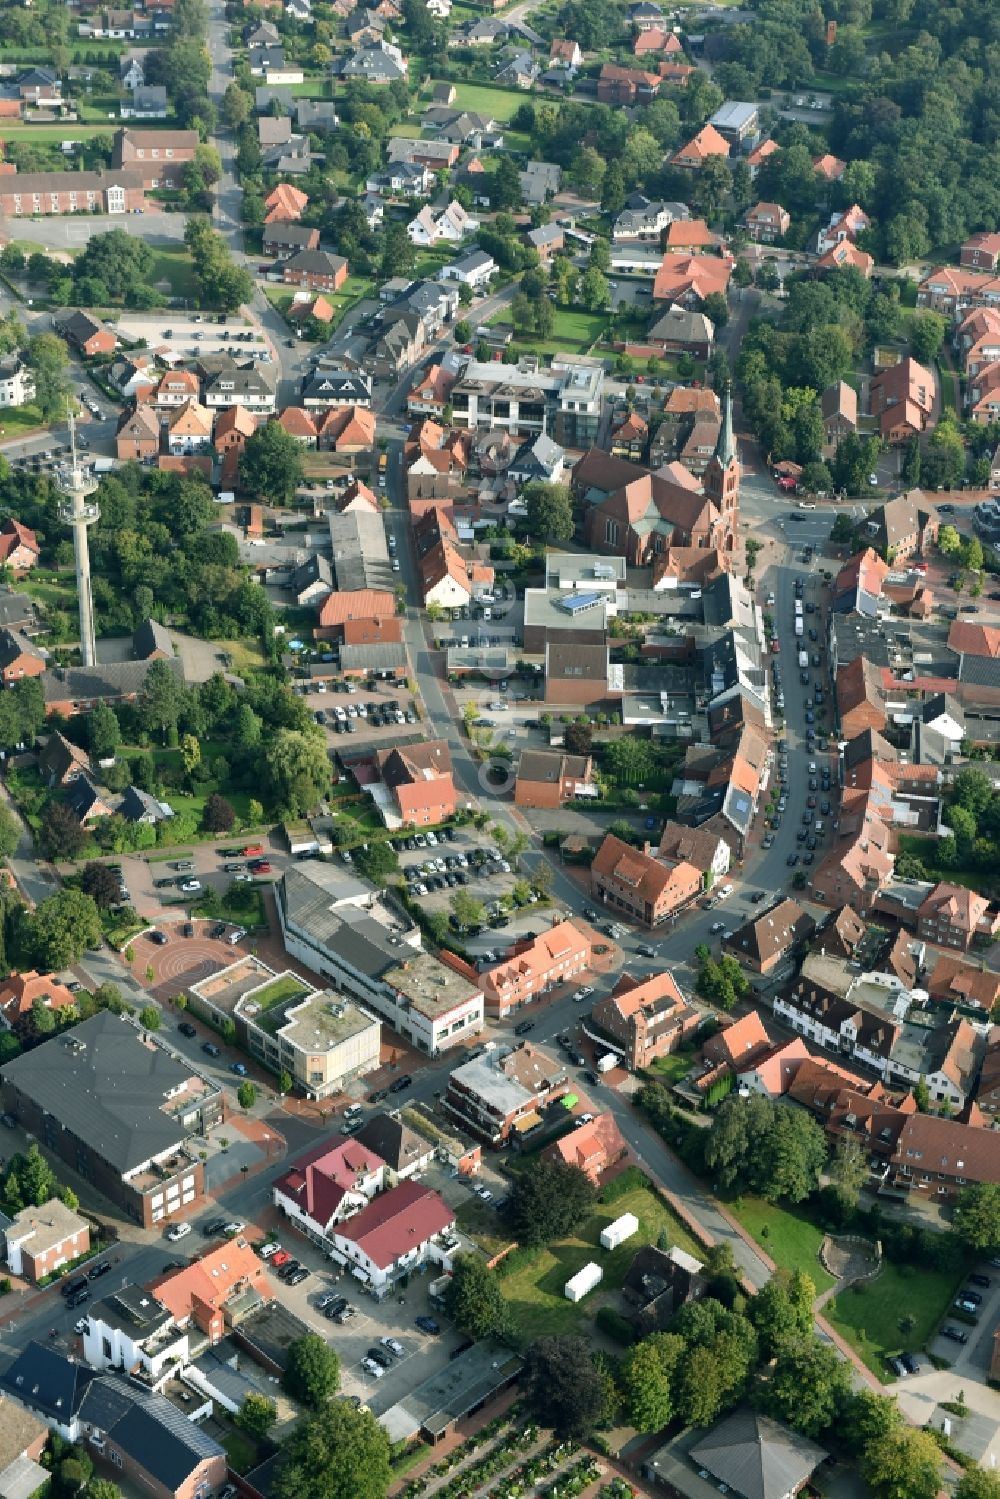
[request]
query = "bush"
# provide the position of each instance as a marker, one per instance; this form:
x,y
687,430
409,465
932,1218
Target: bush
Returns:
x,y
617,1327
629,1180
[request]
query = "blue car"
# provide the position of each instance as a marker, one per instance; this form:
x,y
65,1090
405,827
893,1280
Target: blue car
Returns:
x,y
238,1068
427,1324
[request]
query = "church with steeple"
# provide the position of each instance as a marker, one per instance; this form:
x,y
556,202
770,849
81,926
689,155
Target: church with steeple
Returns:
x,y
722,476
641,514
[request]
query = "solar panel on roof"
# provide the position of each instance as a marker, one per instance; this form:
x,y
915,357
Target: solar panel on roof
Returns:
x,y
577,603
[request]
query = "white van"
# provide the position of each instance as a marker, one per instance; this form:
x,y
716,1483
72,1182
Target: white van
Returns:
x,y
179,1231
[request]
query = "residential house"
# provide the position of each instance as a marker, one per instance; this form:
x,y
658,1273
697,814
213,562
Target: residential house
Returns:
x,y
627,86
348,430
318,270
682,331
430,392
189,428
689,279
42,1240
902,397
500,1092
845,256
767,940
282,238
533,965
954,980
298,423
860,863
146,1440
176,388
708,142
19,549
380,63
846,225
952,916
315,116
547,239
629,437
397,1234
328,388
632,883
642,219
204,1293
839,410
547,778
658,1283
829,168
473,270
86,803
403,179
565,54
17,383
41,87
537,460
642,1019
417,783
285,204
706,850
644,15
447,225
904,527
118,1109
232,428
306,307
981,252
251,386
61,761
404,1151
540,181
767,222
147,102
22,991
576,674
519,71
19,658
85,333
358,604
327,1185
593,1146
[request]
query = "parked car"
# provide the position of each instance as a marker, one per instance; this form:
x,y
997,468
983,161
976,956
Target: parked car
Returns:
x,y
400,1084
381,1357
187,1029
210,1049
158,937
428,1324
371,1367
394,1346
981,1280
954,1334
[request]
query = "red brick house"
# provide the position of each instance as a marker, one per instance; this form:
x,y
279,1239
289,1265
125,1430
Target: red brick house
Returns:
x,y
767,222
547,778
902,398
634,884
981,252
18,658
160,155
645,1019
41,1240
952,916
318,270
19,549
419,780
618,85
533,965
592,1147
138,435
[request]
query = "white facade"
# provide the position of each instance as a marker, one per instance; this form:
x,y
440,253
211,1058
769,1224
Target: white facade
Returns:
x,y
352,1202
448,592
378,1276
17,385
108,1347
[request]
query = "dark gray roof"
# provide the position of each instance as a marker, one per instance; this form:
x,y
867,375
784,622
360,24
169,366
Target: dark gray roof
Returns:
x,y
114,680
149,637
397,1144
378,656
15,609
338,385
856,635
133,1309
263,98
287,234
315,114
315,569
82,796
942,702
47,1381
104,1085
980,671
13,645
157,1436
757,1457
136,805
315,262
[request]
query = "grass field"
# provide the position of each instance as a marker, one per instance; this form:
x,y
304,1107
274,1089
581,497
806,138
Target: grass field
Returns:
x,y
17,421
535,1291
670,1069
790,1240
56,593
572,333
176,269
501,103
925,849
245,655
60,130
869,1318
949,389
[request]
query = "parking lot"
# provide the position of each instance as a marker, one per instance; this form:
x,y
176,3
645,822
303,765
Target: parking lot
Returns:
x,y
368,710
974,1354
180,961
189,335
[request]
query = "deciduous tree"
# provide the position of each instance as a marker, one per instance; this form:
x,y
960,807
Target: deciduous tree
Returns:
x,y
339,1453
905,1463
312,1372
474,1300
546,1200
566,1389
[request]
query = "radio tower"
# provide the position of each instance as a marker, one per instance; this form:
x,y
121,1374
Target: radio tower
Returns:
x,y
78,512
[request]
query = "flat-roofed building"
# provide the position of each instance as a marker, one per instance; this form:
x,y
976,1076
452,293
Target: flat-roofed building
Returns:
x,y
501,1091
320,1038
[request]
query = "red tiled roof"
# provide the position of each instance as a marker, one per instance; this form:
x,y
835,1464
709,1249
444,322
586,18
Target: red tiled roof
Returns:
x,y
397,1222
319,1180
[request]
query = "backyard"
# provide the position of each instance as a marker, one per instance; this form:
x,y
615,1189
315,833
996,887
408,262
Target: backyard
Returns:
x,y
176,269
501,103
790,1239
572,332
873,1317
535,1289
926,850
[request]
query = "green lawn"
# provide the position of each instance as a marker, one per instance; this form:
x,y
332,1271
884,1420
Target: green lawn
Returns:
x,y
790,1239
243,904
949,389
53,595
241,1450
925,849
284,987
176,268
573,332
501,103
535,1291
60,130
669,1070
18,421
869,1318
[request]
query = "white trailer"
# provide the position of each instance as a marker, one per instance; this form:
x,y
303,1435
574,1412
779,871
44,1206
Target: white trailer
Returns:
x,y
583,1281
616,1233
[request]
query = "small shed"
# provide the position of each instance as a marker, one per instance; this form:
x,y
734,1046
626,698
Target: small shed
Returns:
x,y
616,1233
584,1281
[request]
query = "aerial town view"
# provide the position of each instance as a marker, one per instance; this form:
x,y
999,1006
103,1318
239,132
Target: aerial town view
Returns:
x,y
500,749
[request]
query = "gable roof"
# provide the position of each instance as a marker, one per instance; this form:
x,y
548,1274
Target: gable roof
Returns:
x,y
396,1222
320,1180
393,1141
774,932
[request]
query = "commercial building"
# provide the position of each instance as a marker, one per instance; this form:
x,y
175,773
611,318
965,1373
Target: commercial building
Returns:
x,y
120,1110
215,1290
398,1233
534,965
131,1329
638,886
564,400
371,951
469,1380
501,1091
327,1185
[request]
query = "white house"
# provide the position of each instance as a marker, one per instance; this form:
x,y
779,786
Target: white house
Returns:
x,y
17,383
130,1329
472,270
440,9
326,1185
400,1231
448,226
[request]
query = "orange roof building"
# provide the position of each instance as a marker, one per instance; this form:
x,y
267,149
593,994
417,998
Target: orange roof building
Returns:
x,y
360,603
595,1146
631,881
689,279
645,1019
201,1292
285,205
347,429
20,991
708,142
689,234
556,955
232,428
298,423
830,168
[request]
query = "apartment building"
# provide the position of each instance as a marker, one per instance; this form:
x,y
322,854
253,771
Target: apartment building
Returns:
x,y
534,965
952,916
28,194
41,1240
564,400
631,882
322,1039
327,1185
502,1091
208,1292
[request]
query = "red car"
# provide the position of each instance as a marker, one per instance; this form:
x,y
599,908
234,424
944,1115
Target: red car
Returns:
x,y
252,849
776,646
263,867
788,484
280,1257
